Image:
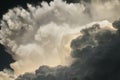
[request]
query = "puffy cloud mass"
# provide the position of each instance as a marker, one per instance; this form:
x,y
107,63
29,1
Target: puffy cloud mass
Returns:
x,y
96,54
53,35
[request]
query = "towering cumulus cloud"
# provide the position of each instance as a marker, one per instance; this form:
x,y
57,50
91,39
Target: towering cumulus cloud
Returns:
x,y
49,41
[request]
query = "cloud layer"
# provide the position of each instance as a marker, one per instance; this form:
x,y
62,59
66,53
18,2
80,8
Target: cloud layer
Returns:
x,y
97,56
42,35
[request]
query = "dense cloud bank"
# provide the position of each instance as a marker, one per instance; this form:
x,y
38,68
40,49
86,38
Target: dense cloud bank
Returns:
x,y
99,59
97,54
59,34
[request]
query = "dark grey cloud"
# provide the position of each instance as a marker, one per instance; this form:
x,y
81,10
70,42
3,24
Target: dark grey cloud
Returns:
x,y
46,73
99,62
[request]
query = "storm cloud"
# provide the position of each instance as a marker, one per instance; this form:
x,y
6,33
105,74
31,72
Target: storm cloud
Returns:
x,y
61,41
96,53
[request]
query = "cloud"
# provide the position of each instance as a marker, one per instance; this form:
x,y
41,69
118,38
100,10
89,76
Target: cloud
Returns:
x,y
6,74
37,36
42,35
96,54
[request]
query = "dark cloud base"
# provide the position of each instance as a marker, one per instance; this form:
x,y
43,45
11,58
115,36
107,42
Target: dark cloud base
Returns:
x,y
93,62
101,62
